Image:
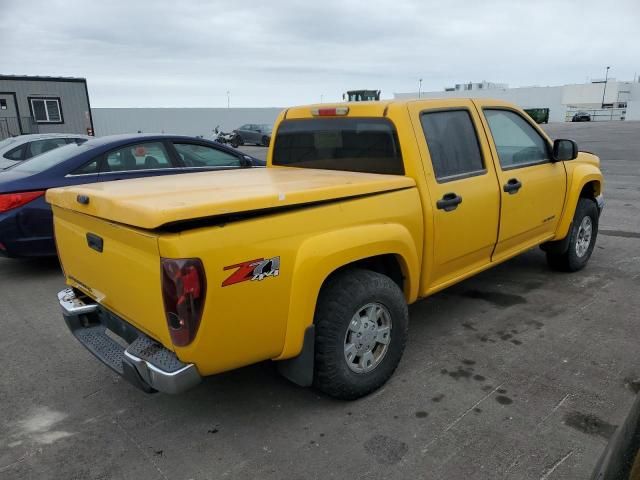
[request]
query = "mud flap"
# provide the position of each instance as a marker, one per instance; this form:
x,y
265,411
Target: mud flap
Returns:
x,y
299,370
558,247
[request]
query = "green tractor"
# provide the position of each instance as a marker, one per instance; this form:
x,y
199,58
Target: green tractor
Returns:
x,y
540,115
361,95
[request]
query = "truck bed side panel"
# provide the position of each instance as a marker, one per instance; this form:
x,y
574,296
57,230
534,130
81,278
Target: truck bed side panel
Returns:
x,y
246,322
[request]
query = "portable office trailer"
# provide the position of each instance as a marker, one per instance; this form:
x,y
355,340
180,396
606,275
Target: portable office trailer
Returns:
x,y
44,105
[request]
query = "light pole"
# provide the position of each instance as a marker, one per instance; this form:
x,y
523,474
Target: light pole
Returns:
x,y
228,99
321,98
606,77
419,88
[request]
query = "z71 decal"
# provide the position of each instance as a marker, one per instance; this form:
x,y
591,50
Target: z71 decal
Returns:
x,y
257,269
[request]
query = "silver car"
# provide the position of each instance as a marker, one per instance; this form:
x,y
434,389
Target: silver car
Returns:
x,y
17,149
258,134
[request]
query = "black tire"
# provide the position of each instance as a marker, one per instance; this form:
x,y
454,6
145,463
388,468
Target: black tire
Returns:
x,y
265,141
236,141
570,261
344,295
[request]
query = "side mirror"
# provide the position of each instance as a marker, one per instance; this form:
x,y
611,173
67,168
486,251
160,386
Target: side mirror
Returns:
x,y
564,150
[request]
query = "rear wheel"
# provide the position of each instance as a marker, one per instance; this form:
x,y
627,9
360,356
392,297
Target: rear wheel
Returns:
x,y
361,330
582,239
265,141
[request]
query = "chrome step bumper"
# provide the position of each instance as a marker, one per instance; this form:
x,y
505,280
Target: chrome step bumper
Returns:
x,y
141,360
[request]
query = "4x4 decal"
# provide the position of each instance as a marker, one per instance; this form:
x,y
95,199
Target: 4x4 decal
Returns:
x,y
257,269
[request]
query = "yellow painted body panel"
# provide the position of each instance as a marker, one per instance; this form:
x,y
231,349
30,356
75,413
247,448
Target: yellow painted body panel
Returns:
x,y
125,277
584,169
452,250
257,320
530,216
341,218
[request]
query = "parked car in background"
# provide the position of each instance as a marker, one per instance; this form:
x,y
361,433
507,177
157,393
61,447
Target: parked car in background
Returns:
x,y
26,227
621,459
581,117
17,149
258,134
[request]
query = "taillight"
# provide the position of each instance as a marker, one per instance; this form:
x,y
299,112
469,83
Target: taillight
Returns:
x,y
9,201
329,112
184,287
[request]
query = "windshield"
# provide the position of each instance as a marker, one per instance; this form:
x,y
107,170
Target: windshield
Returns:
x,y
48,159
350,144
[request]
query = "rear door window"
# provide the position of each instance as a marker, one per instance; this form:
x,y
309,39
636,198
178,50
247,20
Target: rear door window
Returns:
x,y
453,144
194,155
88,168
139,156
348,144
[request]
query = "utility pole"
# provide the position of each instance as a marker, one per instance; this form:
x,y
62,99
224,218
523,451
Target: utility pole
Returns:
x,y
419,88
228,99
321,98
606,77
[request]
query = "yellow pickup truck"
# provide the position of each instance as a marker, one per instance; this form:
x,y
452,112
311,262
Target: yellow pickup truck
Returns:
x,y
363,209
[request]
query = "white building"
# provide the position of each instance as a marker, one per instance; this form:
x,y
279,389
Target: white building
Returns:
x,y
483,85
621,99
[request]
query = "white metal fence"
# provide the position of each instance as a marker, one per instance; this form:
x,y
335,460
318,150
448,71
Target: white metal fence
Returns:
x,y
597,114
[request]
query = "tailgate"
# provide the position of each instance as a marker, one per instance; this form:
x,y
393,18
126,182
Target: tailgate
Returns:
x,y
124,277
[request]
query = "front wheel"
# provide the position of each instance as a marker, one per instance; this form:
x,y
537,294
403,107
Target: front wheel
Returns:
x,y
361,330
582,239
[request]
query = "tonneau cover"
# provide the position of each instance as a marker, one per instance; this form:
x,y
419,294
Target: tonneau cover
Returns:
x,y
150,203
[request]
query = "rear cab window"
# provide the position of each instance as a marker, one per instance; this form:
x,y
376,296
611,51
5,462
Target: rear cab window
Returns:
x,y
368,145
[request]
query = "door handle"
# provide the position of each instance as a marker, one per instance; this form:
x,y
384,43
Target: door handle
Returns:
x,y
512,186
449,202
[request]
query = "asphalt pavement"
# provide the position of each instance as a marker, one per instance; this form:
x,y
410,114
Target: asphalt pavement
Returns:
x,y
518,373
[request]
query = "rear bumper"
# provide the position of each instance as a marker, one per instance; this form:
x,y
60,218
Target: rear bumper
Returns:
x,y
127,351
27,231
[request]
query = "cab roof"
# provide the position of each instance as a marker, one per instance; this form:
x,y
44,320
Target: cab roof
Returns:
x,y
377,108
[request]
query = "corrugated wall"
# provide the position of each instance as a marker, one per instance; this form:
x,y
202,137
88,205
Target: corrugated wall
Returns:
x,y
73,102
179,121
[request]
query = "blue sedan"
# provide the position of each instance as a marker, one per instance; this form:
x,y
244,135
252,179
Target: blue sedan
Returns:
x,y
26,227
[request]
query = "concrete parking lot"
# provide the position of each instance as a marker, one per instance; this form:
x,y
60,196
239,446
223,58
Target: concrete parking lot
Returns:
x,y
517,373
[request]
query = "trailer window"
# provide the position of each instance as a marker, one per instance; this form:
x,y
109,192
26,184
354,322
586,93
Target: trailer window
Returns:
x,y
349,144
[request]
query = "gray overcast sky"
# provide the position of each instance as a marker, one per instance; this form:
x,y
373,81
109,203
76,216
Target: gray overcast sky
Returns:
x,y
157,53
